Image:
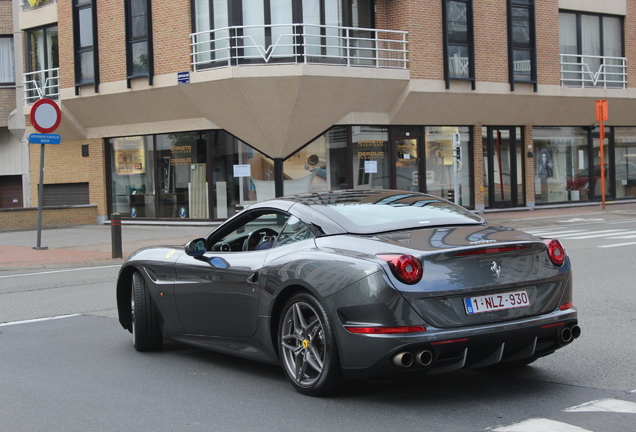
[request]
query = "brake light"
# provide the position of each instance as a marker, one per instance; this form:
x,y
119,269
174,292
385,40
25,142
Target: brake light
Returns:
x,y
566,306
406,268
386,330
556,252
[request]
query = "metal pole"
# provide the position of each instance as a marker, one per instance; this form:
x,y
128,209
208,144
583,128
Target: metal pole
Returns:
x,y
40,201
115,234
602,139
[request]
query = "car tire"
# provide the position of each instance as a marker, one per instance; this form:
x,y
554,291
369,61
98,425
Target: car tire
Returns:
x,y
146,325
307,346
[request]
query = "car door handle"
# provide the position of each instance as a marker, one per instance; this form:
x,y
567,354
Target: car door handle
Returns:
x,y
253,278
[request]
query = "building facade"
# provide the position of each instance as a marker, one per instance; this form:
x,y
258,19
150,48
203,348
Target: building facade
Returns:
x,y
190,108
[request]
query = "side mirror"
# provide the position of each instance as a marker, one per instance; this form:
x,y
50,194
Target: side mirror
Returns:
x,y
196,248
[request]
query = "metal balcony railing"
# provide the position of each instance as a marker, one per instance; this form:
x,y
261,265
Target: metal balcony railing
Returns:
x,y
593,71
299,43
26,5
39,84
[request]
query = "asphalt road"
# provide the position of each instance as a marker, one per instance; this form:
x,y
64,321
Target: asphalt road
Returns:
x,y
81,372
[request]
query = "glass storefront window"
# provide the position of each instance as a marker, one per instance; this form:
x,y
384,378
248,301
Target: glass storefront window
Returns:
x,y
439,163
370,157
321,165
182,175
132,188
561,164
625,156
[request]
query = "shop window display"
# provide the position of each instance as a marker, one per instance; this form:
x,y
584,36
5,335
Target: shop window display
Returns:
x,y
561,164
439,163
625,156
370,157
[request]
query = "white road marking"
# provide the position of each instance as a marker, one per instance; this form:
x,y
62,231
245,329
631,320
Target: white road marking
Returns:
x,y
617,245
38,320
553,232
591,234
540,425
605,405
59,271
627,235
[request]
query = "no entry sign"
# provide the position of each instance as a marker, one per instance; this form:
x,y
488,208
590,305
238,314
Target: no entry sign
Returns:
x,y
45,115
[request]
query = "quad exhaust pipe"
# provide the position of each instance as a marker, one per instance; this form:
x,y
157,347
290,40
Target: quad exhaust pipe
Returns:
x,y
570,333
406,359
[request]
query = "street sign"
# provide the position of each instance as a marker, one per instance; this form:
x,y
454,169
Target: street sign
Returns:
x,y
44,138
45,115
601,110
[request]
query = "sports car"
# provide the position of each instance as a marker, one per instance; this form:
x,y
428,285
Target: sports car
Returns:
x,y
355,284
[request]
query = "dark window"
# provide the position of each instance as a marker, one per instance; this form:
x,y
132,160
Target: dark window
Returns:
x,y
11,191
42,64
65,194
7,65
85,35
458,41
138,39
521,42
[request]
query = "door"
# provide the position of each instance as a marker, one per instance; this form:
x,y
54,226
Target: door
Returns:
x,y
407,164
504,179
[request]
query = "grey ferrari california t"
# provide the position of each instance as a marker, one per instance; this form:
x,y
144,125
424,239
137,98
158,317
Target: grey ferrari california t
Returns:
x,y
355,284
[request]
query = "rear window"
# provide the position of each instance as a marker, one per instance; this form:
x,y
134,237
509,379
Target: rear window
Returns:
x,y
369,218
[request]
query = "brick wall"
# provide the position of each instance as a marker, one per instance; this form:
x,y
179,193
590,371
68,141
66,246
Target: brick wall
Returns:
x,y
529,147
548,46
630,42
171,30
64,163
478,165
52,217
6,17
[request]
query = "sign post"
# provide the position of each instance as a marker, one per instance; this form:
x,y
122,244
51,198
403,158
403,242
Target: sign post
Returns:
x,y
45,117
601,116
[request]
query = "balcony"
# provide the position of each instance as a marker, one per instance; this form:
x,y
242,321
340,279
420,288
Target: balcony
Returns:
x,y
593,71
26,5
299,44
39,84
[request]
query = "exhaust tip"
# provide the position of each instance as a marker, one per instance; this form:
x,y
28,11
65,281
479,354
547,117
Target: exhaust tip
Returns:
x,y
566,334
424,358
576,331
403,359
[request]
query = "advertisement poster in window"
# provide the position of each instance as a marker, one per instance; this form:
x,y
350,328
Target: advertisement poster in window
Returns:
x,y
545,168
130,157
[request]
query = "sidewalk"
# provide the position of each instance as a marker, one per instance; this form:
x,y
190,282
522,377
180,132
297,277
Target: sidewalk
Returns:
x,y
90,245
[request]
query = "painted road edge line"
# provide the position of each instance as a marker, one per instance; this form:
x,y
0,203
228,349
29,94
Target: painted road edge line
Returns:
x,y
60,271
38,320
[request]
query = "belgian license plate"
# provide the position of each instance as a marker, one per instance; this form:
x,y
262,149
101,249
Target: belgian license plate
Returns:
x,y
495,302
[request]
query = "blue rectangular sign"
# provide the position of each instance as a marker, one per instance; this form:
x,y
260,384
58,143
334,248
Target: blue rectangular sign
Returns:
x,y
183,77
44,138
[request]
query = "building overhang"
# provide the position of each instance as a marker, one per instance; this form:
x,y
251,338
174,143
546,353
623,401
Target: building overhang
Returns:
x,y
275,109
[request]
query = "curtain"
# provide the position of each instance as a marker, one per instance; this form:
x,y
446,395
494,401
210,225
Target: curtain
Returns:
x,y
7,69
282,36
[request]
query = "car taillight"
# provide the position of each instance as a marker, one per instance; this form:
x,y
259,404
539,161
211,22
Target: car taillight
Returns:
x,y
406,268
556,252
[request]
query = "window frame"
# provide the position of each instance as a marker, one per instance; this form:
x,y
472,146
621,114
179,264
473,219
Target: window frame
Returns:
x,y
79,5
12,57
469,44
132,40
530,47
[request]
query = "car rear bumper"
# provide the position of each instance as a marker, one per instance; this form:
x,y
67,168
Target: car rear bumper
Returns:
x,y
443,350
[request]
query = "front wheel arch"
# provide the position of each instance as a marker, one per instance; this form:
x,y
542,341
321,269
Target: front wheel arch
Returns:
x,y
124,287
